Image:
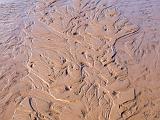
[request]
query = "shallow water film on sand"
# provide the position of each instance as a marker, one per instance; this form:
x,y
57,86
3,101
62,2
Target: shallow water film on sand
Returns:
x,y
80,60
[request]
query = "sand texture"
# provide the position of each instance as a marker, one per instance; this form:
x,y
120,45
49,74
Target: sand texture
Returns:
x,y
80,60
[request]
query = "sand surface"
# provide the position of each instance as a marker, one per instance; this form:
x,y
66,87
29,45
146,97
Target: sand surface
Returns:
x,y
79,60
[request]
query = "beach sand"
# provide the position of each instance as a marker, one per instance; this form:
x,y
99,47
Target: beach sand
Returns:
x,y
80,60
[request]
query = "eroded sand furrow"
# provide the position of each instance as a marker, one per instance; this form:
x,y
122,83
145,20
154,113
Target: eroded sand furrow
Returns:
x,y
77,80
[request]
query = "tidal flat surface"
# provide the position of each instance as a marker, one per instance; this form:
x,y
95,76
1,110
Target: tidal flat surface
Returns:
x,y
80,60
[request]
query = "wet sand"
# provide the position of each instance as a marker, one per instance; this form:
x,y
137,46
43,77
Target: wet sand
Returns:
x,y
80,60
